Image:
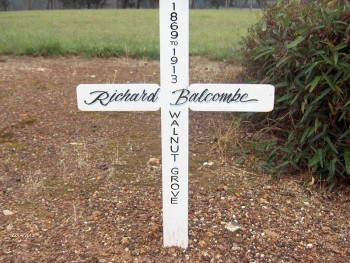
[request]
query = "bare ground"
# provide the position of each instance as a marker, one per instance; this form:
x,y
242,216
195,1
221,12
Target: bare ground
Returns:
x,y
78,186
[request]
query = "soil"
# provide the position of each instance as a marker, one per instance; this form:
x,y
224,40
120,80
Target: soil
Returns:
x,y
79,186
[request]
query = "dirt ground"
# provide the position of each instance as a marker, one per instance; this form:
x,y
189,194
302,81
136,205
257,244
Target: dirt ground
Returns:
x,y
78,186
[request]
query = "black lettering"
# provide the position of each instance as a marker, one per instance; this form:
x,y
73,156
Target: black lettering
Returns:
x,y
206,97
117,97
176,172
153,96
175,123
174,131
182,99
172,139
112,97
193,97
237,96
174,154
201,99
225,97
174,178
174,114
245,95
134,97
144,95
126,95
216,97
177,193
174,186
100,97
177,149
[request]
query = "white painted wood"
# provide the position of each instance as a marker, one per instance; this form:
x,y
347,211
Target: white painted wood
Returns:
x,y
228,97
174,74
118,97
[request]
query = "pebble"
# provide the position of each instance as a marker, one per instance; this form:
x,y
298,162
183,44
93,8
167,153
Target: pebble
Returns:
x,y
209,234
263,201
271,234
326,229
125,241
237,239
202,244
7,212
154,162
210,163
102,166
205,257
309,245
235,247
221,247
96,213
232,226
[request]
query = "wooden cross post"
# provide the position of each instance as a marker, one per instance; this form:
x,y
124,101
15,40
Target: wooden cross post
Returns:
x,y
175,98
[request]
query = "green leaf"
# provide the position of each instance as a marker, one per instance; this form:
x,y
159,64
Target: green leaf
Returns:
x,y
281,84
314,83
287,96
347,162
344,64
347,103
315,160
119,166
282,165
318,52
296,42
327,60
296,97
335,58
347,133
331,168
306,134
320,156
332,185
341,46
331,145
347,31
264,52
283,61
324,93
330,83
317,125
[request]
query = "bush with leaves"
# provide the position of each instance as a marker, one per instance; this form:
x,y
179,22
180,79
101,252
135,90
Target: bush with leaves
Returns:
x,y
304,51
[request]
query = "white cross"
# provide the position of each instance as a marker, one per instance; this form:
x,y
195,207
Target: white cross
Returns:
x,y
175,98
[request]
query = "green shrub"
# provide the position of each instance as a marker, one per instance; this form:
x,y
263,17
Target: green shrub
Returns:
x,y
304,51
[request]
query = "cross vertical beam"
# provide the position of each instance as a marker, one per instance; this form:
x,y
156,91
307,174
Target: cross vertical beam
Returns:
x,y
174,75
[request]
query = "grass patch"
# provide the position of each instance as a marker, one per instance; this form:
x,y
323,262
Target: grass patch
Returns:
x,y
217,33
115,33
45,49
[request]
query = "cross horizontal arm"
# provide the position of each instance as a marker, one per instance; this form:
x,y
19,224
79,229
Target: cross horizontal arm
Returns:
x,y
118,97
228,97
197,97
